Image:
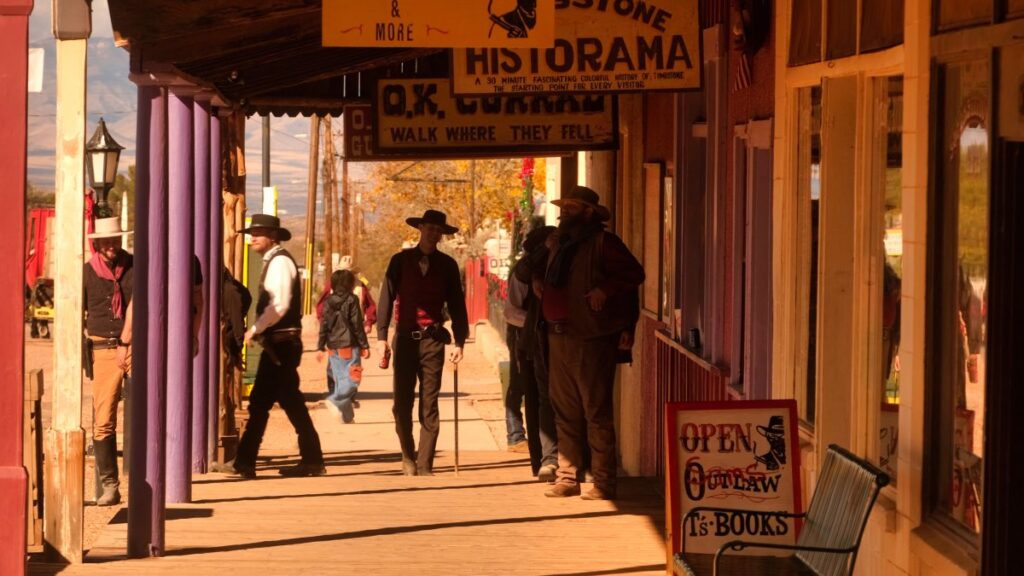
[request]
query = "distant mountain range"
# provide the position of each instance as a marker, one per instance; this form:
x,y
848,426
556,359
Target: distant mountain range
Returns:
x,y
112,96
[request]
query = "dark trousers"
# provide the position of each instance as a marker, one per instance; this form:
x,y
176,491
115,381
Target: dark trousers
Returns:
x,y
279,383
582,375
518,373
531,368
422,360
547,430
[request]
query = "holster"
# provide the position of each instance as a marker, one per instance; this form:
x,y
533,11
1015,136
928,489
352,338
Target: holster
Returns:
x,y
87,357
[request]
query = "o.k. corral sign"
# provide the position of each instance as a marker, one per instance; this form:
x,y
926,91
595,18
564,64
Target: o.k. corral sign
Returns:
x,y
420,116
600,46
740,455
438,23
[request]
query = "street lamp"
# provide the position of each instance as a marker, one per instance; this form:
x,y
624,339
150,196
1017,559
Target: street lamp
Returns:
x,y
103,153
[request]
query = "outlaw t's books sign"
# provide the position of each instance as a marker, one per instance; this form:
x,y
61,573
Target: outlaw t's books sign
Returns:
x,y
599,46
732,455
421,117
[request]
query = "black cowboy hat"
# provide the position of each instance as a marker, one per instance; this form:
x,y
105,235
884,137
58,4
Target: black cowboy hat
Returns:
x,y
586,196
433,217
268,222
775,427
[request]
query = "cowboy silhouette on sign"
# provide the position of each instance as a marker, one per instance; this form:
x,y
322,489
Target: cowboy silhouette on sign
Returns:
x,y
775,433
518,21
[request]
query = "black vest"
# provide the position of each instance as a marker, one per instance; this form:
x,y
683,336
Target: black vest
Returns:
x,y
293,317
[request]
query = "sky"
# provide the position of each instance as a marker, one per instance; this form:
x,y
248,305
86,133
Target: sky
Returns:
x,y
112,96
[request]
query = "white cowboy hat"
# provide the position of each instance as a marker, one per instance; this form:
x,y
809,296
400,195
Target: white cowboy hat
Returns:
x,y
108,228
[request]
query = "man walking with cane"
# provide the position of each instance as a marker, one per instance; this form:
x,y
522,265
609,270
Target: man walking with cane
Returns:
x,y
278,328
423,281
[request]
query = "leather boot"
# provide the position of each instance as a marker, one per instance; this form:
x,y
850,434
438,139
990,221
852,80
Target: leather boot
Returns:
x,y
105,452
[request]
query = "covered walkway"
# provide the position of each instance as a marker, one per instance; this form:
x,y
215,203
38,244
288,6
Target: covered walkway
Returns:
x,y
364,517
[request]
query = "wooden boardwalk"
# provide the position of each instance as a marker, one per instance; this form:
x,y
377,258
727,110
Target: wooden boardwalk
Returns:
x,y
365,518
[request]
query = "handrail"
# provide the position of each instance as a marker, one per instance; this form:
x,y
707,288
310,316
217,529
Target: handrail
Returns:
x,y
691,355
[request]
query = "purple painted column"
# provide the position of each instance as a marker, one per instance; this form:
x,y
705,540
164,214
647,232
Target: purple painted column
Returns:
x,y
216,259
149,322
179,297
201,238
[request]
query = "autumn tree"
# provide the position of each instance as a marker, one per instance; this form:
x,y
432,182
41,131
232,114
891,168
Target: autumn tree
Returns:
x,y
405,189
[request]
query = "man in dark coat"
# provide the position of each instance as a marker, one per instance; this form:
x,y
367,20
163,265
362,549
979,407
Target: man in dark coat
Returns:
x,y
423,281
588,301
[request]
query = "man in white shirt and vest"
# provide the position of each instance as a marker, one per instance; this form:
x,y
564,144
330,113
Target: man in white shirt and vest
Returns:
x,y
278,328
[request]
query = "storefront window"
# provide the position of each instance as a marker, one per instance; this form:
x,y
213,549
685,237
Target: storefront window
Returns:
x,y
809,191
888,182
963,267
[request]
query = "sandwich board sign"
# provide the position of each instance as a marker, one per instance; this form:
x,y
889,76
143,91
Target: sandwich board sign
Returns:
x,y
741,455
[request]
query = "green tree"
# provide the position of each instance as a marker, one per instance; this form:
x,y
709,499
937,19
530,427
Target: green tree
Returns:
x,y
37,197
124,187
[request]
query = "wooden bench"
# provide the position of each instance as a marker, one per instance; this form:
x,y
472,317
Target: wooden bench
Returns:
x,y
832,527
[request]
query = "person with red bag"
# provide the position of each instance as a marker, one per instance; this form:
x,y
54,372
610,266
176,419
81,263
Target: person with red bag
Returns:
x,y
343,338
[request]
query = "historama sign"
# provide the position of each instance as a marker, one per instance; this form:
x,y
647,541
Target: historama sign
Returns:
x,y
420,116
739,455
438,23
600,46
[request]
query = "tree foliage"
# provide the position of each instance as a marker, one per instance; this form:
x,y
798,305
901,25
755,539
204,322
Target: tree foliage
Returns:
x,y
405,189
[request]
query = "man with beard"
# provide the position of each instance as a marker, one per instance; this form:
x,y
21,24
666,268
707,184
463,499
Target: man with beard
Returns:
x,y
588,301
107,281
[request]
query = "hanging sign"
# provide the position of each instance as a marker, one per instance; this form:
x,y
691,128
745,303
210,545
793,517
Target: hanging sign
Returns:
x,y
420,116
732,455
600,46
439,23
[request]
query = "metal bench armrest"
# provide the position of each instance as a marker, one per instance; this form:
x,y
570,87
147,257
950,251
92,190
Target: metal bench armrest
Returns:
x,y
739,545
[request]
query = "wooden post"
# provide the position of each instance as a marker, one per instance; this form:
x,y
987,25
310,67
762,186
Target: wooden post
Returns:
x,y
149,336
201,240
345,212
179,295
65,439
328,176
314,161
13,106
216,252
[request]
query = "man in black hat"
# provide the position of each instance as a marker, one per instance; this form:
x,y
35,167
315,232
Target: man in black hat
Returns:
x,y
423,281
589,301
278,328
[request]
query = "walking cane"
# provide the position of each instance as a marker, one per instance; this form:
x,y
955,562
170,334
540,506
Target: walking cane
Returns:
x,y
456,375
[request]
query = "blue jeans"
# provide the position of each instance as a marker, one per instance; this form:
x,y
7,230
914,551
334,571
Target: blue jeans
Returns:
x,y
344,387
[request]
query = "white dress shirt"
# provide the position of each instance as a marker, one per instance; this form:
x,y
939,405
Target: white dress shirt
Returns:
x,y
278,281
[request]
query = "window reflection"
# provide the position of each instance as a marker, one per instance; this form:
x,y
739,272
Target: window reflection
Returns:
x,y
964,272
887,179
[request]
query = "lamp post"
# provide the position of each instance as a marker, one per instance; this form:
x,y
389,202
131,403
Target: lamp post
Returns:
x,y
101,166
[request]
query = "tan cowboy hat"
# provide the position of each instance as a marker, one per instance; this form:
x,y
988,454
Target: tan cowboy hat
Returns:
x,y
433,217
108,228
587,197
268,222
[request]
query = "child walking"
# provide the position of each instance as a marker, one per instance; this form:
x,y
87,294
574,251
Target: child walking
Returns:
x,y
343,338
